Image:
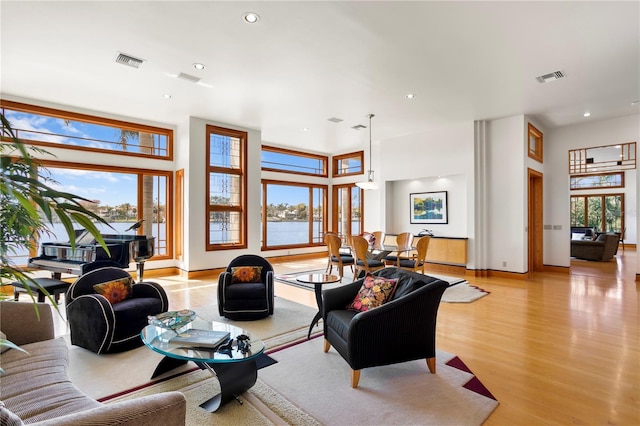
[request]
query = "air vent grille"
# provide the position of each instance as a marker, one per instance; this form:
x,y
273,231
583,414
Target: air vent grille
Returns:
x,y
556,75
188,77
129,60
335,120
359,127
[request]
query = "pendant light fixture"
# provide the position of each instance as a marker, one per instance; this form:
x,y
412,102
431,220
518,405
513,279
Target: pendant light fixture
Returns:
x,y
369,183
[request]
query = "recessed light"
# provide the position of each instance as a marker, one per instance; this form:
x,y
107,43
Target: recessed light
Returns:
x,y
306,129
166,96
250,17
199,66
586,114
410,96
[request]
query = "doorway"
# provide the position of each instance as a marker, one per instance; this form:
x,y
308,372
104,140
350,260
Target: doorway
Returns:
x,y
535,221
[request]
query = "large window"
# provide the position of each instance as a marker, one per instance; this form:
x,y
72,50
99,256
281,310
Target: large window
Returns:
x,y
348,164
347,210
290,161
293,214
63,129
121,196
604,213
607,180
226,189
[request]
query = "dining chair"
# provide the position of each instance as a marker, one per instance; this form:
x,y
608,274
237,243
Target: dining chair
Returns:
x,y
379,237
362,263
418,261
334,242
403,240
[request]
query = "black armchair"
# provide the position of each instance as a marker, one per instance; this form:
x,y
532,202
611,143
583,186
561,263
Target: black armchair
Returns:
x,y
602,249
104,327
250,300
400,330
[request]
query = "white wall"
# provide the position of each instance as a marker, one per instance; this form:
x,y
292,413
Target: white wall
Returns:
x,y
557,143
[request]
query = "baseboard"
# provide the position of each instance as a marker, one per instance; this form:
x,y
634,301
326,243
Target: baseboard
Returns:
x,y
559,269
439,267
488,273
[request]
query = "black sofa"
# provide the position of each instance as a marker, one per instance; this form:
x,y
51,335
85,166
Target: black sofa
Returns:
x,y
400,330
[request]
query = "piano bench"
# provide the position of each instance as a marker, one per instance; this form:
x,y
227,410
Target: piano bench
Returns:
x,y
54,288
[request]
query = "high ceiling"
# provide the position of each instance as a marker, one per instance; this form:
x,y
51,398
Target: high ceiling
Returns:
x,y
306,62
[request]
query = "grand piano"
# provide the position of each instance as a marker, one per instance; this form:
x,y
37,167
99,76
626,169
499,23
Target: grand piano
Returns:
x,y
59,258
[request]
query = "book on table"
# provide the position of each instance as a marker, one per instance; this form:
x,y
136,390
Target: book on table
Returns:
x,y
200,338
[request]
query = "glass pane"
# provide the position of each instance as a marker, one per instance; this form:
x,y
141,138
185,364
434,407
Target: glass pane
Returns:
x,y
613,213
318,216
292,163
594,213
159,214
74,133
224,227
287,215
224,189
349,165
596,181
577,211
224,151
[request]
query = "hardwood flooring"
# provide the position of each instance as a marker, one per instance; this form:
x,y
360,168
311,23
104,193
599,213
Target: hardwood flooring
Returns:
x,y
556,349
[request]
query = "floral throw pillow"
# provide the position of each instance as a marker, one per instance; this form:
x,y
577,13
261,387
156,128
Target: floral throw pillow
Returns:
x,y
115,291
246,274
375,291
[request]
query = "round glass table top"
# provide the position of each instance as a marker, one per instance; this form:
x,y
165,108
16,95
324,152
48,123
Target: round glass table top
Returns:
x,y
158,339
317,278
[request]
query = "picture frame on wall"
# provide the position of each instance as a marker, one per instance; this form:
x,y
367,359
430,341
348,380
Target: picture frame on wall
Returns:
x,y
429,207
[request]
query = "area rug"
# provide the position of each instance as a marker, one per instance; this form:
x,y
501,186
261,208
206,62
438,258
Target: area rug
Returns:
x,y
290,323
463,293
398,394
309,387
459,291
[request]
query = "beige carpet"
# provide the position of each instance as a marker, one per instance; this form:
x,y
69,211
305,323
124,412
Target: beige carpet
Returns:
x,y
309,387
463,293
114,373
399,394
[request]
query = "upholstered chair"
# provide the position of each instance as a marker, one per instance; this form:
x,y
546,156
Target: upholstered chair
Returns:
x,y
363,264
602,249
107,310
403,240
245,289
402,329
417,262
336,258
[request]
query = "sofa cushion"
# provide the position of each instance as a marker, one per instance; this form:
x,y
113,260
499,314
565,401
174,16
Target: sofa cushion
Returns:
x,y
339,321
115,290
246,274
374,292
7,418
36,387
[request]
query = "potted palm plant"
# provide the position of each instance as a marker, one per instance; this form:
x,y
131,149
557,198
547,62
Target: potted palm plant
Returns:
x,y
28,205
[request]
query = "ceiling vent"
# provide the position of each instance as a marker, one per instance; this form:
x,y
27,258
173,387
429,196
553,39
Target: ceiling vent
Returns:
x,y
359,127
335,120
128,60
556,75
187,77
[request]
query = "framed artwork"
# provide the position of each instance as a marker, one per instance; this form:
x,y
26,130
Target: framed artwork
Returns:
x,y
429,207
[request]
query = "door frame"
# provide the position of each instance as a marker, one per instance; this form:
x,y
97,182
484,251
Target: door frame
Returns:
x,y
535,226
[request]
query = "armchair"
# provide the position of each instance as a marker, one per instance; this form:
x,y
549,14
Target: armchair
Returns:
x,y
400,330
602,249
105,327
246,299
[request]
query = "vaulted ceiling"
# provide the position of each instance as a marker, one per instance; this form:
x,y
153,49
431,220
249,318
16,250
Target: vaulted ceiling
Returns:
x,y
304,62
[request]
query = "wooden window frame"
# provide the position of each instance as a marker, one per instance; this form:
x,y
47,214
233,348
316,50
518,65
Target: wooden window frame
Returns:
x,y
140,173
536,152
621,174
91,119
323,158
334,209
336,159
603,220
310,186
241,173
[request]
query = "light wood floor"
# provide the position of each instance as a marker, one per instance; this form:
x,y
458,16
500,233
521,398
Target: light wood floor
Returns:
x,y
556,349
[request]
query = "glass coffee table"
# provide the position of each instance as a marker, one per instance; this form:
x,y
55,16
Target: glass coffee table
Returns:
x,y
235,369
318,280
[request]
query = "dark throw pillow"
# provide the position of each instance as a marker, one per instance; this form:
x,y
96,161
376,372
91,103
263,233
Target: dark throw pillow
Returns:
x,y
245,274
375,292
